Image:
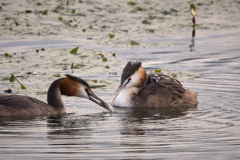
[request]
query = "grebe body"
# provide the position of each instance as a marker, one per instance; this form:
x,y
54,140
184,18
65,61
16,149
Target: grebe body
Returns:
x,y
17,105
137,89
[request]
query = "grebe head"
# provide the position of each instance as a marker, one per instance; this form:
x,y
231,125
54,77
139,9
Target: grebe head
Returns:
x,y
133,76
74,86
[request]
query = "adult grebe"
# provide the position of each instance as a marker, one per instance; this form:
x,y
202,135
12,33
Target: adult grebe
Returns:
x,y
137,89
17,105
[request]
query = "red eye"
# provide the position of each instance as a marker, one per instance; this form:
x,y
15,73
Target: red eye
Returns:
x,y
129,79
86,89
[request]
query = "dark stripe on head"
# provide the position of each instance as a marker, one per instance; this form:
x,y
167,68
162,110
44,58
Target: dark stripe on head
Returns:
x,y
77,79
130,69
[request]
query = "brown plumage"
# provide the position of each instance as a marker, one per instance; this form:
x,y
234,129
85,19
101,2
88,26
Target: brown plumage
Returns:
x,y
137,89
164,92
17,105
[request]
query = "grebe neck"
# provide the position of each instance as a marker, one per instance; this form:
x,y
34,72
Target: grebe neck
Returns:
x,y
126,97
54,96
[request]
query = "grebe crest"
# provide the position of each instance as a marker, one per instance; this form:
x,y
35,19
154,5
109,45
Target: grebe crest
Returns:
x,y
132,79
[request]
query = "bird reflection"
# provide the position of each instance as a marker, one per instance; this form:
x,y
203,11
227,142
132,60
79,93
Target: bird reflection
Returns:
x,y
161,112
136,119
71,124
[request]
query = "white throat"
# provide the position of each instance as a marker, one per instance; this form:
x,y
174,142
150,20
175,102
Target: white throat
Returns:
x,y
124,98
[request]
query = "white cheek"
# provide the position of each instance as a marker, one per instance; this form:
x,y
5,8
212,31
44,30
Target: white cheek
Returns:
x,y
82,93
133,81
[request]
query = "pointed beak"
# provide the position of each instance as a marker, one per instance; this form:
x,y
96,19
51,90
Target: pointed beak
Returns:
x,y
98,101
120,88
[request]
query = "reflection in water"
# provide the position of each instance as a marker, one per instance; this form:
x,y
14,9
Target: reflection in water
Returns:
x,y
161,112
136,117
192,45
66,125
146,127
16,120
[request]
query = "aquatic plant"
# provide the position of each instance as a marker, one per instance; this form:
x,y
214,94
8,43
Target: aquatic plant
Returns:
x,y
132,3
134,43
13,78
193,8
111,35
158,70
45,12
74,50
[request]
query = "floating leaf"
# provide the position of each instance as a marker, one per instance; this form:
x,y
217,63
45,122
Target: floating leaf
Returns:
x,y
12,78
28,11
146,22
23,87
114,54
150,17
133,43
7,18
166,12
95,80
60,18
98,86
173,10
81,14
139,9
67,2
73,11
7,55
74,50
45,12
84,30
104,59
0,8
39,3
111,35
76,66
56,75
174,75
158,70
151,30
132,3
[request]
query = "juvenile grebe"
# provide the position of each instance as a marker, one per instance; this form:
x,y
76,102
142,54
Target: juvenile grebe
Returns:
x,y
137,89
17,105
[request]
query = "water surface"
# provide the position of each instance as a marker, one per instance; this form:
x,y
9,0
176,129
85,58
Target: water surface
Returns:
x,y
208,64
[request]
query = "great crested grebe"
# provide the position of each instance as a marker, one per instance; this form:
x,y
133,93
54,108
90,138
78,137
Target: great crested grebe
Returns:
x,y
137,89
17,105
